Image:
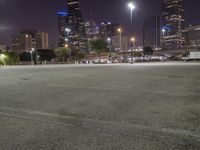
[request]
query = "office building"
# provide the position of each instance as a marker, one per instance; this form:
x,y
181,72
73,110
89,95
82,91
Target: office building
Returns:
x,y
172,24
22,43
62,23
115,43
42,40
151,32
92,29
192,37
77,36
27,41
108,30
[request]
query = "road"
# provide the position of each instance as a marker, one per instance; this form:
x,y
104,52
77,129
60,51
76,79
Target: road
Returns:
x,y
100,107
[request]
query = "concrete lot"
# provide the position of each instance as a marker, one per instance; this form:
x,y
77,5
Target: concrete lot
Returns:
x,y
100,107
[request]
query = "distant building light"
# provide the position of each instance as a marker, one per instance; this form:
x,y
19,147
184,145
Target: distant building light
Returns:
x,y
62,13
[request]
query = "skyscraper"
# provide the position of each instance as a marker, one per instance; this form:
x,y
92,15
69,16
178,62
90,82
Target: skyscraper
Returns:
x,y
108,30
77,35
22,43
172,24
42,40
29,40
62,23
151,32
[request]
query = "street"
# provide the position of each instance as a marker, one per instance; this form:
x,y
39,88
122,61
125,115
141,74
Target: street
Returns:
x,y
153,106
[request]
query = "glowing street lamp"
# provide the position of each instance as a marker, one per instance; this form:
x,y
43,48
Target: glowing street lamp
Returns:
x,y
131,6
66,45
132,42
120,42
31,52
163,31
2,59
68,31
109,42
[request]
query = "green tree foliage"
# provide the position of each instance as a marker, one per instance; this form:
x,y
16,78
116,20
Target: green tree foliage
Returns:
x,y
45,54
99,45
148,51
10,58
63,52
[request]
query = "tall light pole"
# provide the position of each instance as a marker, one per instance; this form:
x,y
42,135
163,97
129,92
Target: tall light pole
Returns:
x,y
132,43
120,42
131,6
109,42
163,41
31,52
67,30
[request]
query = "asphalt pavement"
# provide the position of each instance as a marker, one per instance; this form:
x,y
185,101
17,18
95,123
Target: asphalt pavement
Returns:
x,y
151,106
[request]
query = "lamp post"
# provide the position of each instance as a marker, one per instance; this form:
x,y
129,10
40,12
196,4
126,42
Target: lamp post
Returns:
x,y
163,33
131,6
120,43
31,52
132,42
67,30
109,42
2,60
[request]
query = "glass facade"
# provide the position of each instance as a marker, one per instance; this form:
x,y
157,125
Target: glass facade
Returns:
x,y
172,24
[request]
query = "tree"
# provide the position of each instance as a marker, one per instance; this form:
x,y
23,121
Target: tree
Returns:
x,y
10,58
45,54
80,56
99,45
148,51
63,52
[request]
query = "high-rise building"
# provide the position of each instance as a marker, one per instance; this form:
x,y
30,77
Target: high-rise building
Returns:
x,y
62,24
22,43
172,24
92,29
151,32
32,33
28,41
16,44
192,37
42,40
108,29
92,32
115,43
77,36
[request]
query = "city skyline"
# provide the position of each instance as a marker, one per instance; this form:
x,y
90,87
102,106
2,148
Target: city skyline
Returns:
x,y
45,18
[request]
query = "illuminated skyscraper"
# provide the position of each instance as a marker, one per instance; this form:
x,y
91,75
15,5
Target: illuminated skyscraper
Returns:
x,y
62,23
172,24
77,35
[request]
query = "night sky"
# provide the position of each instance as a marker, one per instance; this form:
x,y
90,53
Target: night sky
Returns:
x,y
42,14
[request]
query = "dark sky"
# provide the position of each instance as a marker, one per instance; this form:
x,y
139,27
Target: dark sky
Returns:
x,y
42,14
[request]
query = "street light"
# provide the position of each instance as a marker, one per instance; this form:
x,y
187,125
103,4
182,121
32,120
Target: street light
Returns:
x,y
131,6
120,41
2,58
132,42
163,31
31,52
66,45
109,42
67,30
